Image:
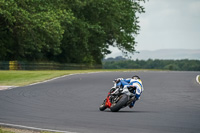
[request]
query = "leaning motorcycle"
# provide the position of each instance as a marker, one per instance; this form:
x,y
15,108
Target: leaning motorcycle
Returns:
x,y
118,98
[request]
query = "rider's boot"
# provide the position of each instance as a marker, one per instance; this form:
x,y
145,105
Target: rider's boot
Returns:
x,y
132,103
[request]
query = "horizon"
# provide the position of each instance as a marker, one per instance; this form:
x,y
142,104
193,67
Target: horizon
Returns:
x,y
167,25
160,54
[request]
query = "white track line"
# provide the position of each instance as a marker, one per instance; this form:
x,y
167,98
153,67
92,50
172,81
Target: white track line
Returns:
x,y
7,87
32,128
12,87
52,79
197,79
61,77
41,129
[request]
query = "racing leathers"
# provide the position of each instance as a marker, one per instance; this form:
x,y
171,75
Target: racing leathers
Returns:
x,y
134,83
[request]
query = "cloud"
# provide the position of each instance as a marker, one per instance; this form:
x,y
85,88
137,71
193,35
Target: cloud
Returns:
x,y
169,24
194,8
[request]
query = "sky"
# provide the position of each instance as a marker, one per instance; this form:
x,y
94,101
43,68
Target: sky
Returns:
x,y
168,24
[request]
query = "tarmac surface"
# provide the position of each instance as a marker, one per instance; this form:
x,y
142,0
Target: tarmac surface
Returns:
x,y
170,103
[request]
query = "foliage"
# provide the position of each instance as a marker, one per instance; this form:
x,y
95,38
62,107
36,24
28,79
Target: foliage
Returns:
x,y
31,28
179,65
70,31
3,131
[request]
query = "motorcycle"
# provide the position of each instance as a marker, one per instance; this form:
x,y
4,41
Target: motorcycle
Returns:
x,y
118,98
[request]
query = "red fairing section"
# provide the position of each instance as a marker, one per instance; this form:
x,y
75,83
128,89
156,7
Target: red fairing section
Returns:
x,y
108,103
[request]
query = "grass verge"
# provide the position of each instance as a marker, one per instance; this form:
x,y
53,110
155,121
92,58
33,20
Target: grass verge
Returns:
x,y
5,131
14,130
21,78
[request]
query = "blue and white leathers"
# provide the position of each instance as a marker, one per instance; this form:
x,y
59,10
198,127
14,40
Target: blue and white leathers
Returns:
x,y
124,83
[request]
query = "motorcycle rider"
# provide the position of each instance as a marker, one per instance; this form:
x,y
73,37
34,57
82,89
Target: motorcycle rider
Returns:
x,y
135,83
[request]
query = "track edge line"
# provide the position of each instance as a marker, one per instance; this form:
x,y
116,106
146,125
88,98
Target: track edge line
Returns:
x,y
32,128
197,79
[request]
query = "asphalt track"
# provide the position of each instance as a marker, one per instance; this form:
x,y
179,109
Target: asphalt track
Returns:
x,y
170,103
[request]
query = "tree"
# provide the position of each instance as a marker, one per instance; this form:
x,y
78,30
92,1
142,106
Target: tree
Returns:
x,y
98,25
74,31
32,28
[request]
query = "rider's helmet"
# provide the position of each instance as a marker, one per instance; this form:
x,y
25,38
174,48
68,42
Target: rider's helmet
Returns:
x,y
135,77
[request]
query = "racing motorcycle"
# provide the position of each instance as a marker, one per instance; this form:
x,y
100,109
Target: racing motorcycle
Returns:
x,y
118,98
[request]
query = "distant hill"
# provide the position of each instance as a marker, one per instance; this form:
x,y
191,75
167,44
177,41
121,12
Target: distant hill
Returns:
x,y
166,54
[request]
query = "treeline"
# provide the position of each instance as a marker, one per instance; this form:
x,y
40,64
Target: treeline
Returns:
x,y
177,65
67,31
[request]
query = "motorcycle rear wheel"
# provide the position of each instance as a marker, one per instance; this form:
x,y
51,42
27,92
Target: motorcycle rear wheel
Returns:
x,y
116,106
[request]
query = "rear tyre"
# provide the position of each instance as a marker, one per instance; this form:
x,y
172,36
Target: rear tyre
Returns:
x,y
116,106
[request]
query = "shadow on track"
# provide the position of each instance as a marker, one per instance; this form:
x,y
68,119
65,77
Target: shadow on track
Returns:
x,y
131,111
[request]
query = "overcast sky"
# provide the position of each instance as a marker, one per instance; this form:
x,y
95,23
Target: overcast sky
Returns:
x,y
169,24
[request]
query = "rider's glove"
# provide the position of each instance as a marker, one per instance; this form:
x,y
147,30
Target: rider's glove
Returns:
x,y
117,80
112,89
131,88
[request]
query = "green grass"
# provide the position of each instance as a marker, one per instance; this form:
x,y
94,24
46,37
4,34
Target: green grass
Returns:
x,y
3,131
13,130
21,78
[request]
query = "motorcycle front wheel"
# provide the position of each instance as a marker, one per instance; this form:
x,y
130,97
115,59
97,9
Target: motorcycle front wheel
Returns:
x,y
119,103
102,106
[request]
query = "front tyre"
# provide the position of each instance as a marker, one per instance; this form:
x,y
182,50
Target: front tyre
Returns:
x,y
102,106
117,105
